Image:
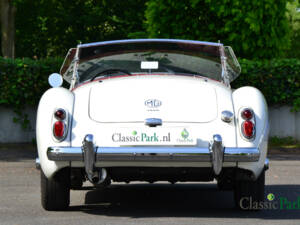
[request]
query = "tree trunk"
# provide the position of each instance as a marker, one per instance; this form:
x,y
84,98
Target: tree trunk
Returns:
x,y
7,13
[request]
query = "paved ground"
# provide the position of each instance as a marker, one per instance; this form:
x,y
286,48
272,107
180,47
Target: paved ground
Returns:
x,y
141,203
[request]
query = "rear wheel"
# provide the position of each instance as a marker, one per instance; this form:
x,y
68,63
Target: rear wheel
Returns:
x,y
248,194
55,191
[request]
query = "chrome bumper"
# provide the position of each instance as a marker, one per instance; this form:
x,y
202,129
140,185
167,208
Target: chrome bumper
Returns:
x,y
194,154
216,153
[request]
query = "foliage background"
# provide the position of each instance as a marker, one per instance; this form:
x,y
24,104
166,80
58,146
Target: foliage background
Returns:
x,y
50,27
254,28
293,15
264,33
277,79
23,81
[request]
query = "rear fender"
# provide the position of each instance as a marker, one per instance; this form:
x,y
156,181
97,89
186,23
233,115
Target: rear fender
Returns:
x,y
250,97
52,99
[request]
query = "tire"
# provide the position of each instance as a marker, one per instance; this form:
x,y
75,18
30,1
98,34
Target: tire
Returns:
x,y
249,194
55,191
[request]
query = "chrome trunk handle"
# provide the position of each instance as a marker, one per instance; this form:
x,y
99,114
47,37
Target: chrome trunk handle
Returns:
x,y
153,122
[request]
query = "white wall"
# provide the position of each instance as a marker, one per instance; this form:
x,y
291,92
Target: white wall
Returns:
x,y
282,123
11,132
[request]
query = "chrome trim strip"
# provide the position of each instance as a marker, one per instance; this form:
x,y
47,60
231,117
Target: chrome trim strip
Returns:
x,y
148,40
153,154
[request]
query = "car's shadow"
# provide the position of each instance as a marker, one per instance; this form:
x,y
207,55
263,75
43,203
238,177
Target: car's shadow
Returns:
x,y
180,200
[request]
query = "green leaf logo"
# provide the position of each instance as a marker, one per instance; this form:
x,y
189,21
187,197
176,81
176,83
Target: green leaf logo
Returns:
x,y
270,197
134,132
184,134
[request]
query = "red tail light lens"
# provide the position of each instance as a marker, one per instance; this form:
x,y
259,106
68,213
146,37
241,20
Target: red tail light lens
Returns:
x,y
60,114
59,129
247,114
248,129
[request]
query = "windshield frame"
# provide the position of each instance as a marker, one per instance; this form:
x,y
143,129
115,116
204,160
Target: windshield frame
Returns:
x,y
71,62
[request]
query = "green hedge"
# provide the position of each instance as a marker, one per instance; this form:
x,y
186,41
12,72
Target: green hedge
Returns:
x,y
23,81
278,79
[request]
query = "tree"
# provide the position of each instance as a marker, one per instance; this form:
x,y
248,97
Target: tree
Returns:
x,y
7,12
255,28
50,27
293,15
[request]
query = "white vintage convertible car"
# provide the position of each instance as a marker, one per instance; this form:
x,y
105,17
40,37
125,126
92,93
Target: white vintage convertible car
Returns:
x,y
151,110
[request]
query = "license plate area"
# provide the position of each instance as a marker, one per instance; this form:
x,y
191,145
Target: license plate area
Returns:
x,y
178,136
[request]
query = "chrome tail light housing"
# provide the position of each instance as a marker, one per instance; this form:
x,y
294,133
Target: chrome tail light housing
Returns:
x,y
247,124
60,124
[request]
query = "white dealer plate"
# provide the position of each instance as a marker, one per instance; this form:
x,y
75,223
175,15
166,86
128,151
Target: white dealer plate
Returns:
x,y
153,136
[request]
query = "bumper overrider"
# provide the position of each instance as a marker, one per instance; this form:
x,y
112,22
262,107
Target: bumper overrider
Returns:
x,y
216,153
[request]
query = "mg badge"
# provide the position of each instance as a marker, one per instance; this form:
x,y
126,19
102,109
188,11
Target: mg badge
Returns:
x,y
153,103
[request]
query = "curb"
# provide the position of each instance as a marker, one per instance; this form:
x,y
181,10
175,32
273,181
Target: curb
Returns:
x,y
283,151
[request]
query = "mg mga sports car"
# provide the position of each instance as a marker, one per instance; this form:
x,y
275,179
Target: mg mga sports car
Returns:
x,y
151,110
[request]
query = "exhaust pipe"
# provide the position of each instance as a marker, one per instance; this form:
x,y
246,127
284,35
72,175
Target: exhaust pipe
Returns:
x,y
95,177
99,176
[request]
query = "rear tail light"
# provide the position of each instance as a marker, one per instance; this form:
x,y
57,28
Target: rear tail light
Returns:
x,y
60,114
248,124
248,129
247,114
59,129
60,124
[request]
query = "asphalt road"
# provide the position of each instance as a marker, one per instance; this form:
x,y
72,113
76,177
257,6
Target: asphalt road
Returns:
x,y
141,203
